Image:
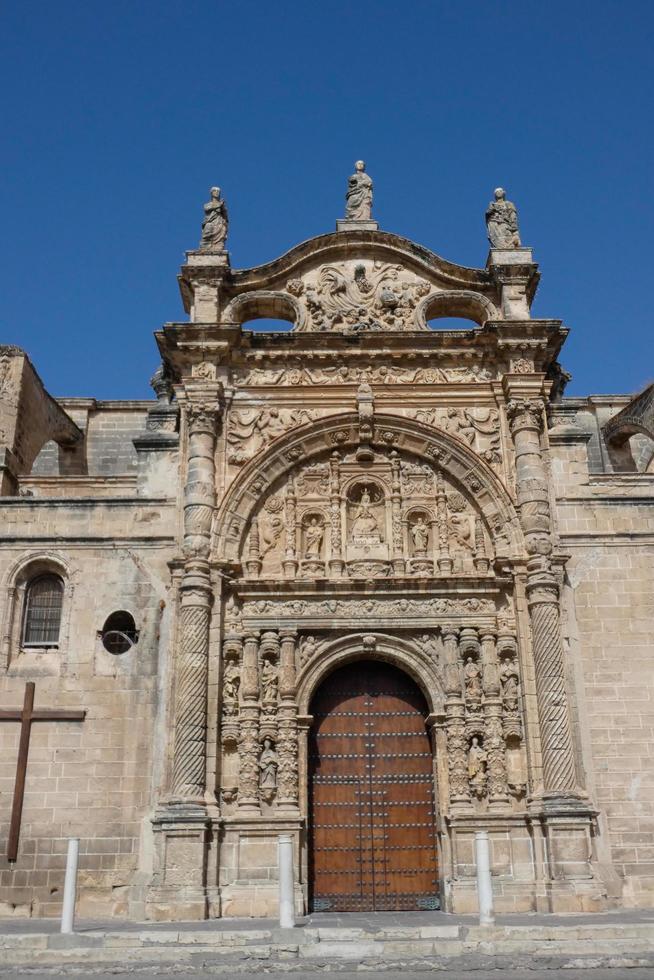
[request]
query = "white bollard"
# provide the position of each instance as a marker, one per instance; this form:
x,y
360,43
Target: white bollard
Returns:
x,y
286,884
70,886
484,882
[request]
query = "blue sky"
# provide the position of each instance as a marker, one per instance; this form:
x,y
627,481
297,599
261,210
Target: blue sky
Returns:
x,y
117,117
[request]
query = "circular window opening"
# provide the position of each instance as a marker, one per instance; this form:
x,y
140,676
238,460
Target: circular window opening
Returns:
x,y
119,633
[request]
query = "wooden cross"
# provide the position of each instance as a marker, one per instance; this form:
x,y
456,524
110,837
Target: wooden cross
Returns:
x,y
26,717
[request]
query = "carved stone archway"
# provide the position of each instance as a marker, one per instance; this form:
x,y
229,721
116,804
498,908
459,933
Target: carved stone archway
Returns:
x,y
342,431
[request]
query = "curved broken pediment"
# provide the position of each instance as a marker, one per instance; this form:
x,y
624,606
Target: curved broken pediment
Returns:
x,y
359,281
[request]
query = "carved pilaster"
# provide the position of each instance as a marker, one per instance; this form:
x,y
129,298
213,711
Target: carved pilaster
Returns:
x,y
396,515
253,563
444,558
480,557
457,744
248,776
287,739
494,744
290,562
336,536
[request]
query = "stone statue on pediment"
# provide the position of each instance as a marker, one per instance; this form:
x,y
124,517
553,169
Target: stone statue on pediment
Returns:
x,y
215,224
502,222
358,200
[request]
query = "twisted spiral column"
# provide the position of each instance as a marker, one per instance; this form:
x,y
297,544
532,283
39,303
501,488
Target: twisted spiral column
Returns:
x,y
191,687
559,770
526,421
189,763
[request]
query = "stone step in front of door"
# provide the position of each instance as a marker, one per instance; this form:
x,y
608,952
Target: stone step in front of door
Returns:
x,y
311,950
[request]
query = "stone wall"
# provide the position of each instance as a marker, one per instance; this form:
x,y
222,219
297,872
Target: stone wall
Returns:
x,y
606,523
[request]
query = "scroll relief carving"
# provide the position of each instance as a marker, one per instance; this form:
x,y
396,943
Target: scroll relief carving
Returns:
x,y
292,374
479,427
336,519
249,430
359,296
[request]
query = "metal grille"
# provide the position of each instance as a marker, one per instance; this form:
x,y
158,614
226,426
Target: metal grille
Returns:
x,y
43,611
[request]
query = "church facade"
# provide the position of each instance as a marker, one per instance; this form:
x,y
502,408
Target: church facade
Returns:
x,y
364,582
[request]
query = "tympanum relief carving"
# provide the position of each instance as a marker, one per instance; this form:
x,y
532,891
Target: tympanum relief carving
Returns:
x,y
340,518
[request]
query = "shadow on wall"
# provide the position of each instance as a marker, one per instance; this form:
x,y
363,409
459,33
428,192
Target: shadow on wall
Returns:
x,y
452,323
268,325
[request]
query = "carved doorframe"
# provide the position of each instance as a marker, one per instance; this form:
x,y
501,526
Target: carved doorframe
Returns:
x,y
406,655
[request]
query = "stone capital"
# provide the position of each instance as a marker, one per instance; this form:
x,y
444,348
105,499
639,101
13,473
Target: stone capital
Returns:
x,y
525,413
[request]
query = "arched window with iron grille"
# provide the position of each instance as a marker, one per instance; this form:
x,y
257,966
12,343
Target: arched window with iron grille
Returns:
x,y
42,618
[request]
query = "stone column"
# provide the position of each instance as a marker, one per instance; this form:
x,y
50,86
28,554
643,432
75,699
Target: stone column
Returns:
x,y
182,827
287,740
455,725
559,771
248,775
188,782
494,744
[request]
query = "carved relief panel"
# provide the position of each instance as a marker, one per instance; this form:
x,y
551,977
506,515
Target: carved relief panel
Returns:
x,y
394,515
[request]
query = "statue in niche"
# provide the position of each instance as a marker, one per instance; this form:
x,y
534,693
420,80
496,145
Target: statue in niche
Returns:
x,y
313,536
420,535
365,529
509,678
472,678
231,684
358,200
502,222
214,226
477,767
268,766
268,681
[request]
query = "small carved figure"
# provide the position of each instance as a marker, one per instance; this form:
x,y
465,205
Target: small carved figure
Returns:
x,y
502,222
214,226
268,681
308,647
268,766
472,678
358,200
477,767
364,526
313,539
231,683
509,676
420,535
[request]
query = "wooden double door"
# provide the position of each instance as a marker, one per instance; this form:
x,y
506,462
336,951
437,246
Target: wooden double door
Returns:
x,y
371,793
